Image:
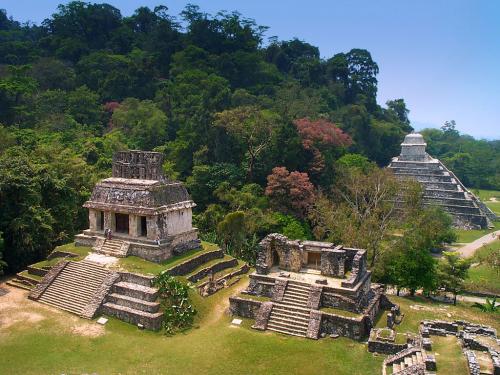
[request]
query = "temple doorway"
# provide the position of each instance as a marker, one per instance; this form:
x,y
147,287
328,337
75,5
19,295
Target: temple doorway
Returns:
x,y
144,227
100,220
276,258
121,221
314,260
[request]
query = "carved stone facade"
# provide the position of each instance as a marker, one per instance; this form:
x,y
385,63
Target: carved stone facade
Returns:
x,y
141,207
304,282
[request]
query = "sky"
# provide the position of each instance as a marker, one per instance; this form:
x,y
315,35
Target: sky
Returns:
x,y
441,56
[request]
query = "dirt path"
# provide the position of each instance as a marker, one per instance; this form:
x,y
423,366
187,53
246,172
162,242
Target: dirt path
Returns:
x,y
469,249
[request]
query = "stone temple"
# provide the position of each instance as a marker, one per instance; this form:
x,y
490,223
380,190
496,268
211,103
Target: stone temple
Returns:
x,y
311,289
441,187
149,216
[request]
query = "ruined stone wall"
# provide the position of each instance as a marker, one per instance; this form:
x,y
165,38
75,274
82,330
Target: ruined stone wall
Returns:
x,y
245,308
354,328
261,285
333,262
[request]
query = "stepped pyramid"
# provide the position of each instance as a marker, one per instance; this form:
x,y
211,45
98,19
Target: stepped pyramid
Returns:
x,y
441,187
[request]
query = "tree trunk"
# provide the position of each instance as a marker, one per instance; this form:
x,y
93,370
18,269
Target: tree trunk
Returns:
x,y
412,292
397,291
454,298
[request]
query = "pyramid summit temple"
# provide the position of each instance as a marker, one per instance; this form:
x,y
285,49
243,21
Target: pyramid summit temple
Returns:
x,y
441,187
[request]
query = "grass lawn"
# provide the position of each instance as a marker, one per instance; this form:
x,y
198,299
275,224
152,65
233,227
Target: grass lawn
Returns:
x,y
486,195
449,357
484,278
466,236
48,345
418,308
139,265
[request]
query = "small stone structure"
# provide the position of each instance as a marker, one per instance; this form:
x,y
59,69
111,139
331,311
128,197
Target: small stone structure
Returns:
x,y
318,275
148,215
441,186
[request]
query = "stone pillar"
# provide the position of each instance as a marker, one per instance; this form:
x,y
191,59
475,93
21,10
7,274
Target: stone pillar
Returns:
x,y
151,223
93,220
109,220
133,225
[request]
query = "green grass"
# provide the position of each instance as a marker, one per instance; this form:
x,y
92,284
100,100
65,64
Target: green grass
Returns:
x,y
214,347
484,278
466,236
139,265
449,357
433,310
486,195
254,298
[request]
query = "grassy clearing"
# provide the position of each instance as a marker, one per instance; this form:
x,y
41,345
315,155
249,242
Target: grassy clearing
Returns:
x,y
466,236
486,195
213,347
138,265
422,308
483,277
449,357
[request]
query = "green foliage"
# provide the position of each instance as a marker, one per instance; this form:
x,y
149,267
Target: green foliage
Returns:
x,y
143,123
452,272
178,310
490,306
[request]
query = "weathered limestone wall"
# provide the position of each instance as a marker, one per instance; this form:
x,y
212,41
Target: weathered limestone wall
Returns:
x,y
191,264
245,308
178,221
333,262
354,328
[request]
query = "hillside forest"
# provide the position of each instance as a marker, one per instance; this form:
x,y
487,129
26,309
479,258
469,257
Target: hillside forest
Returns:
x,y
267,135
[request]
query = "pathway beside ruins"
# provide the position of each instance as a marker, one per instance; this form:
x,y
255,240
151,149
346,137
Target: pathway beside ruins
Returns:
x,y
469,249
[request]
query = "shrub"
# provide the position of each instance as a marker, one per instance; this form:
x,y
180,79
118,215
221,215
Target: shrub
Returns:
x,y
179,313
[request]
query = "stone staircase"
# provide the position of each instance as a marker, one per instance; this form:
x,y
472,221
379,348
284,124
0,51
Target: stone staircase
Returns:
x,y
114,248
408,361
134,300
291,315
75,286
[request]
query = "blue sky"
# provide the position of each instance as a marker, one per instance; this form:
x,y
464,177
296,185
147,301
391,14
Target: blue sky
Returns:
x,y
441,56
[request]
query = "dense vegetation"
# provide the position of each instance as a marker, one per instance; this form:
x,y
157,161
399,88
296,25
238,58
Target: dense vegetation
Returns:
x,y
260,132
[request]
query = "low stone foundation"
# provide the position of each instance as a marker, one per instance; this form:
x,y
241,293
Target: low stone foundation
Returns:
x,y
191,264
245,308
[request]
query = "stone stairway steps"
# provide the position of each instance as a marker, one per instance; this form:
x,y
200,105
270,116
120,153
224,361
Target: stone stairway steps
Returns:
x,y
289,319
73,289
133,300
136,291
116,248
283,329
134,316
134,303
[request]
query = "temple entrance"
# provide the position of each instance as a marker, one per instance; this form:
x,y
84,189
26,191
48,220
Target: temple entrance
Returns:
x,y
100,220
314,260
144,227
276,258
121,221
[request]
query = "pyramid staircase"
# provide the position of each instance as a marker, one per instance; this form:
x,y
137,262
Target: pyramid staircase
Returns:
x,y
442,188
134,300
291,315
75,286
114,248
408,361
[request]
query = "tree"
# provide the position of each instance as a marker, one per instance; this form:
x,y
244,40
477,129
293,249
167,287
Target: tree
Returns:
x,y
142,121
232,231
290,192
251,126
363,210
414,267
452,272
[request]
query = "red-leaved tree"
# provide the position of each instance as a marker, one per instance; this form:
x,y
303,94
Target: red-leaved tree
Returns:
x,y
319,136
290,192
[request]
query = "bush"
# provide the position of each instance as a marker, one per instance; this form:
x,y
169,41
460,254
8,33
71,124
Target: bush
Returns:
x,y
179,313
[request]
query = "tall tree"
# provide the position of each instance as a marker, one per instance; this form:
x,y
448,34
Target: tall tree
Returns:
x,y
452,272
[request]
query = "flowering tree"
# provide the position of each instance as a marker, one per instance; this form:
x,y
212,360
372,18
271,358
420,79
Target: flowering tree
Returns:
x,y
319,137
290,191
